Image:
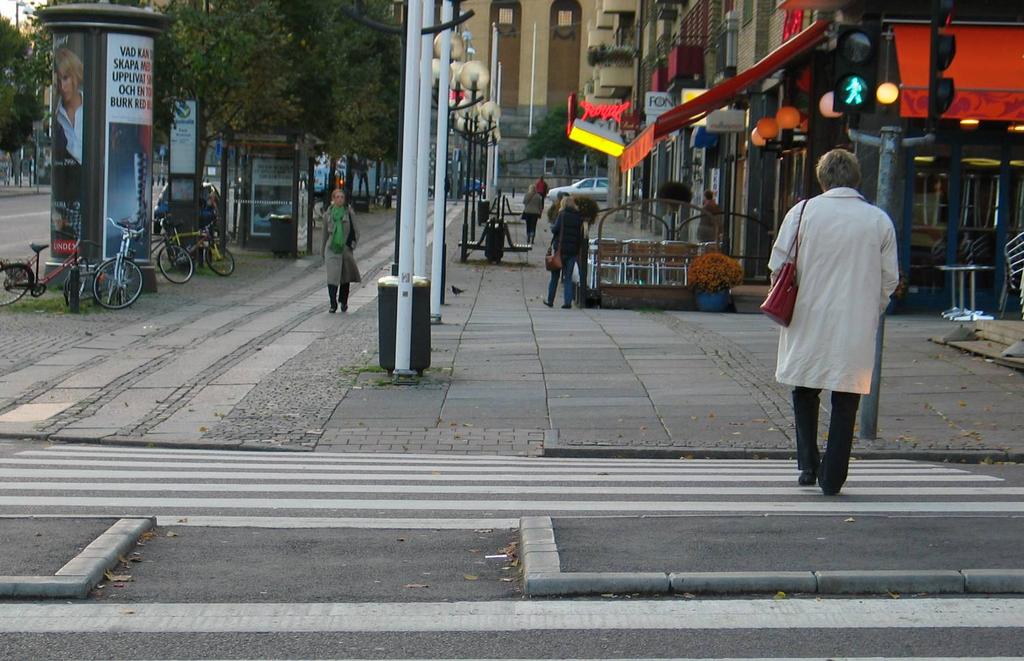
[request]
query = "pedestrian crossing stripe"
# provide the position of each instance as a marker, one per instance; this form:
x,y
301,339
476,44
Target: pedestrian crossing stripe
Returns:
x,y
818,506
538,469
496,616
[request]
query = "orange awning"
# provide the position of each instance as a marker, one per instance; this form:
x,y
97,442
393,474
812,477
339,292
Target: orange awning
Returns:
x,y
720,95
988,72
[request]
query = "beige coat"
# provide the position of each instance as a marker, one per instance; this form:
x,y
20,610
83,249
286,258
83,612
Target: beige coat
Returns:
x,y
846,271
341,268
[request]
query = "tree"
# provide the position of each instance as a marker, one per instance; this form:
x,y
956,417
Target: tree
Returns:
x,y
232,61
551,141
20,101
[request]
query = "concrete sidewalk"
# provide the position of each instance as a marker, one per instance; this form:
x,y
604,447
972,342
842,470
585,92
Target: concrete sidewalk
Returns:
x,y
266,366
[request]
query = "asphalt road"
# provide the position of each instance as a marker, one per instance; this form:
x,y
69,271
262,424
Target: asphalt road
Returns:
x,y
382,586
23,219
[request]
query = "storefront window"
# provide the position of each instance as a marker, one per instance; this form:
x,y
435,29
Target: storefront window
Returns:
x,y
979,209
1016,217
930,219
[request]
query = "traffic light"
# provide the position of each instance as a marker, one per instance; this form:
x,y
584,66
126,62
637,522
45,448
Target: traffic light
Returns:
x,y
943,48
856,68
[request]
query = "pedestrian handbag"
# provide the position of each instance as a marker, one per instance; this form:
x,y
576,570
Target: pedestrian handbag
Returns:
x,y
553,258
781,300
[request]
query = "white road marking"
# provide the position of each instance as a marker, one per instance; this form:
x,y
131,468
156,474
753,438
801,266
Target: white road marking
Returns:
x,y
837,615
706,476
336,522
124,504
539,469
495,490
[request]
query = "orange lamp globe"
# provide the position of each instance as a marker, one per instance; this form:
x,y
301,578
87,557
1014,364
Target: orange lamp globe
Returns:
x,y
788,117
768,128
756,139
887,93
825,106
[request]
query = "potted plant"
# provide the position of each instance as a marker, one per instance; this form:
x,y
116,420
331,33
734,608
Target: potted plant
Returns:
x,y
712,275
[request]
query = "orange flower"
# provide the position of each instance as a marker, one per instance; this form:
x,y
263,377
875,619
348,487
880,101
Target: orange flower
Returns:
x,y
714,272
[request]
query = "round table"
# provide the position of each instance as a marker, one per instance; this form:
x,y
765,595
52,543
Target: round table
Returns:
x,y
957,311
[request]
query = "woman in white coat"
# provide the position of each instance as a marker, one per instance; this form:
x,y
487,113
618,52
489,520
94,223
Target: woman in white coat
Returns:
x,y
846,269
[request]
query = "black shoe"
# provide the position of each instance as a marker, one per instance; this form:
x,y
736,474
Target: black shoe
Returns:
x,y
344,307
334,308
567,306
548,303
807,478
829,492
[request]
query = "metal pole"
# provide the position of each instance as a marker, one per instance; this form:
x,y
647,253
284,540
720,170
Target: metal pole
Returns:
x,y
885,198
489,167
410,125
497,100
423,143
440,168
533,78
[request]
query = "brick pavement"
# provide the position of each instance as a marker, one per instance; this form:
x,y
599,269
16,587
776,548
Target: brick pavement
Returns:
x,y
257,362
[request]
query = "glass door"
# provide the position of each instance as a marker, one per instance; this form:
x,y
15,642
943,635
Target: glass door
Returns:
x,y
979,210
929,224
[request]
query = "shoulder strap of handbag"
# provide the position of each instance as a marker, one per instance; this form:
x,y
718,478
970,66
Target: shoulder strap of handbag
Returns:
x,y
561,235
795,248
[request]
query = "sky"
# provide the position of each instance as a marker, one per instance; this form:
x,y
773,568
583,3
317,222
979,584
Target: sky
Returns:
x,y
7,7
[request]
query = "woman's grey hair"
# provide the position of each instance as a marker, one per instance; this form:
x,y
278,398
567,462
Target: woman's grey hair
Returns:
x,y
838,169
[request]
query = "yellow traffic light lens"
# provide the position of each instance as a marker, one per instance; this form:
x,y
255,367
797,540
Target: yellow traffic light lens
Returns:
x,y
887,93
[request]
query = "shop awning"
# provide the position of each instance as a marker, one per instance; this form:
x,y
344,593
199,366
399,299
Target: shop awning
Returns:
x,y
988,72
720,95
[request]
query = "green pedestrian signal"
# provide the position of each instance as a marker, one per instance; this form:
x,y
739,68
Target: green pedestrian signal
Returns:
x,y
855,68
854,90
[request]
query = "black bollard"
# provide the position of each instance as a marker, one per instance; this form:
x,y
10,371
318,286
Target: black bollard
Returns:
x,y
75,284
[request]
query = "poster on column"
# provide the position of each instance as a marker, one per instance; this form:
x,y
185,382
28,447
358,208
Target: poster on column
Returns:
x,y
129,140
67,126
271,191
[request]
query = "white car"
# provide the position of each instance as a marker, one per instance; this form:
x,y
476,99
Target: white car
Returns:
x,y
596,188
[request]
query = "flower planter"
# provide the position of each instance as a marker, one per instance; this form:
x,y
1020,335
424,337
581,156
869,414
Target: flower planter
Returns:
x,y
715,301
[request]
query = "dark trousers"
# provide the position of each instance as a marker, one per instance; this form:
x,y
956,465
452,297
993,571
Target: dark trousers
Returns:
x,y
833,467
338,294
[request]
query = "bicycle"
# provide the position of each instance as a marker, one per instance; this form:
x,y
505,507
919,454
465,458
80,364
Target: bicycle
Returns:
x,y
118,280
177,260
22,277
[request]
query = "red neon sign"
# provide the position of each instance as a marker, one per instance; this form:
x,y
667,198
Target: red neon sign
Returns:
x,y
604,111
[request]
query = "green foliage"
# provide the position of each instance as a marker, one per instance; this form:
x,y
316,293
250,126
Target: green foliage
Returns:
x,y
263,65
549,140
24,76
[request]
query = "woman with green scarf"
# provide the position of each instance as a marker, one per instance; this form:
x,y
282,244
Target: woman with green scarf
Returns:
x,y
339,240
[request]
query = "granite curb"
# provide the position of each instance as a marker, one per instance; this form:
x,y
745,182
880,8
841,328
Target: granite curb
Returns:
x,y
940,456
78,577
542,577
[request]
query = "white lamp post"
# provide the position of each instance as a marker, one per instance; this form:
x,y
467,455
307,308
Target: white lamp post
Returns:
x,y
423,144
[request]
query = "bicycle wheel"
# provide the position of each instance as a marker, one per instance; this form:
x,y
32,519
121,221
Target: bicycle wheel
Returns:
x,y
16,280
175,263
220,260
117,283
84,281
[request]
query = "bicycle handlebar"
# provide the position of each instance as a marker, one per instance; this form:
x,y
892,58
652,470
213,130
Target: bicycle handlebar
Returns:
x,y
127,230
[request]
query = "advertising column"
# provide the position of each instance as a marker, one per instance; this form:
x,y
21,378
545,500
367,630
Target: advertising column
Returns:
x,y
102,127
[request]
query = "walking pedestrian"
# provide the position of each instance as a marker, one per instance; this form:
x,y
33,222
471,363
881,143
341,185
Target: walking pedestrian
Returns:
x,y
566,243
542,187
533,205
847,269
340,238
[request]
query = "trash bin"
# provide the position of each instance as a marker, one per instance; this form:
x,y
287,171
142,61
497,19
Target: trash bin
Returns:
x,y
387,321
280,234
494,244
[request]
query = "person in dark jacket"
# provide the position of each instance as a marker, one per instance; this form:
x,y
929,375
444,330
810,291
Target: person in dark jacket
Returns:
x,y
567,227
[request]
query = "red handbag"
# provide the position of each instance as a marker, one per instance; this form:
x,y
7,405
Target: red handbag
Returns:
x,y
781,300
